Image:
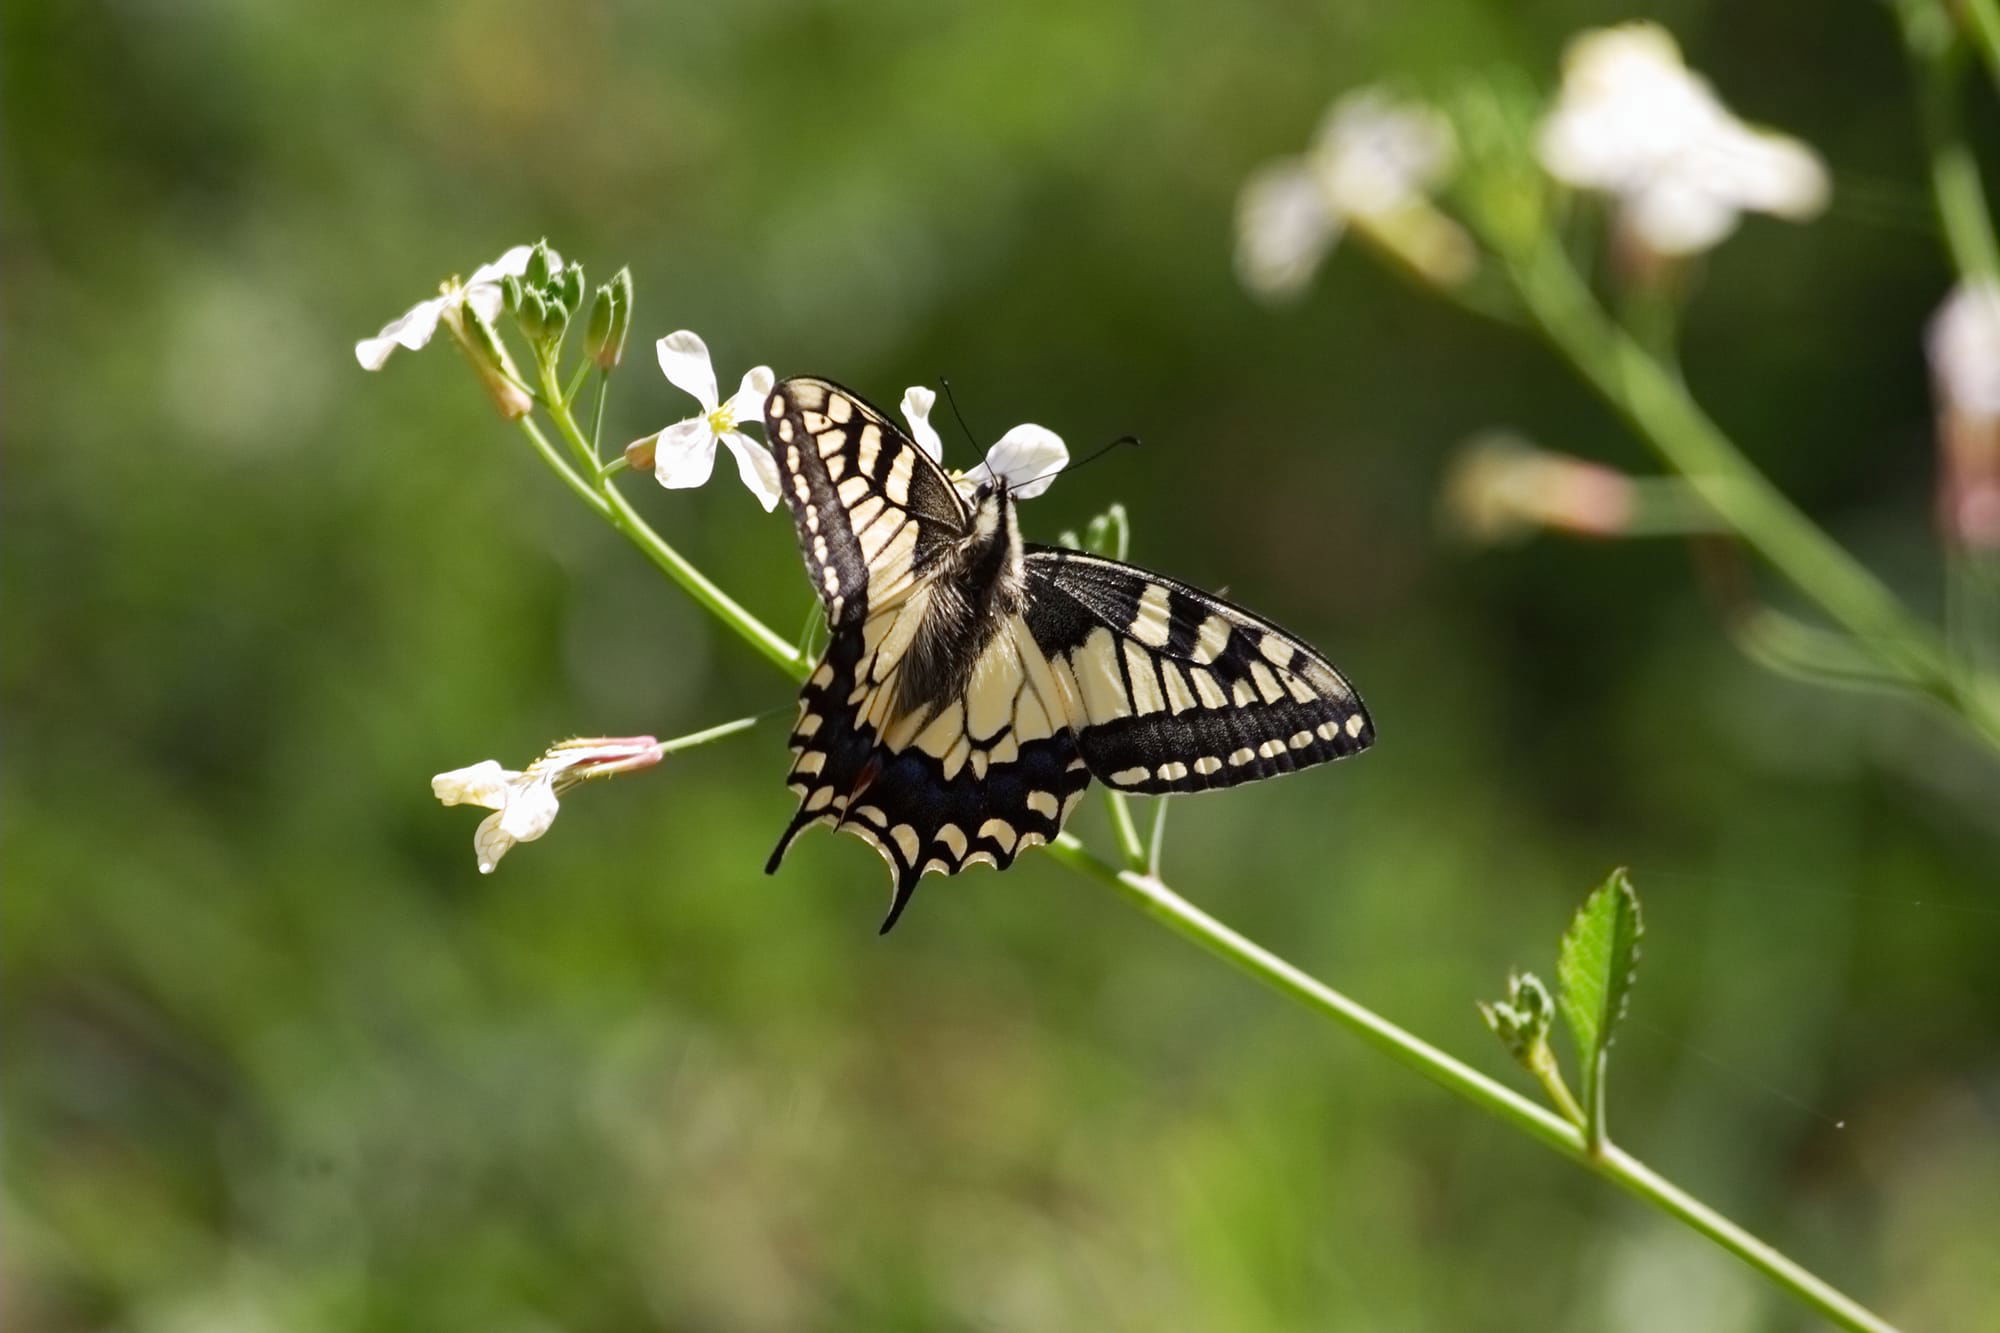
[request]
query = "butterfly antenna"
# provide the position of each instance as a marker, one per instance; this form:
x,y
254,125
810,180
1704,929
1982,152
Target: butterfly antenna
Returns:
x,y
957,415
1066,468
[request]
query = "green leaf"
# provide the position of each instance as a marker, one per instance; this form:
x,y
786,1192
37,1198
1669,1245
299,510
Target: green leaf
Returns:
x,y
1595,967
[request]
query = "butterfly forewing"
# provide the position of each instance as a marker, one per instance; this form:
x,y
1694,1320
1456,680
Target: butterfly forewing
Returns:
x,y
1178,690
869,505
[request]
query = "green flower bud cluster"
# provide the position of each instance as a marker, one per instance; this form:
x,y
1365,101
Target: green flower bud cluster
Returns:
x,y
547,297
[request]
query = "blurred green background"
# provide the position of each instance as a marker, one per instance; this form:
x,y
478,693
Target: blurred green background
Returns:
x,y
277,1057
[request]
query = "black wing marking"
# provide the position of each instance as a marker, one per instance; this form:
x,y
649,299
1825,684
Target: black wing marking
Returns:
x,y
1178,690
870,507
936,788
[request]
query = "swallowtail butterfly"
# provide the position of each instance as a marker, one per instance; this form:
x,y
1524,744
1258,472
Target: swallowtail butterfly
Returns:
x,y
974,684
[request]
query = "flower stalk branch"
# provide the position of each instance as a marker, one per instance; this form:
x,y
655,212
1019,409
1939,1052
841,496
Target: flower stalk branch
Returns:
x,y
1141,886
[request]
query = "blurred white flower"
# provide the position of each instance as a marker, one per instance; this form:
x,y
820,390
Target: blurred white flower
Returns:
x,y
684,453
1372,165
1027,457
1634,122
524,803
414,327
1964,346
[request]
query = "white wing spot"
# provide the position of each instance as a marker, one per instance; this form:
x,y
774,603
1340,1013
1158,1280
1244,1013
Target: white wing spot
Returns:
x,y
906,838
1207,764
816,422
1242,757
1173,772
1152,625
1354,724
999,831
1095,666
1243,694
1043,803
1211,639
1276,651
839,408
1126,777
1329,731
776,406
785,431
1146,696
1267,684
954,839
897,484
1206,686
1301,739
1179,698
1271,749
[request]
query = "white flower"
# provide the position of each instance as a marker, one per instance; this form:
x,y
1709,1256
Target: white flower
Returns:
x,y
1027,457
524,804
1633,121
414,327
684,453
1965,348
1373,163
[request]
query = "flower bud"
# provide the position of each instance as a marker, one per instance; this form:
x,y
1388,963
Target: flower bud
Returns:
x,y
534,313
614,307
542,265
641,454
1502,489
572,289
510,293
489,358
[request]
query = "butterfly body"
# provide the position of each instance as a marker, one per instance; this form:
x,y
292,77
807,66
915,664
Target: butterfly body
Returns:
x,y
973,683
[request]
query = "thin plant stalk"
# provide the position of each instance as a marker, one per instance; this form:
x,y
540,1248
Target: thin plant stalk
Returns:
x,y
1145,890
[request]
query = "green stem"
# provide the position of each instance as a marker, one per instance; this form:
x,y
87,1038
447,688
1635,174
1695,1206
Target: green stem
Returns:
x,y
1954,171
1151,896
612,505
1156,845
1124,829
553,457
1655,401
1155,899
715,733
1983,20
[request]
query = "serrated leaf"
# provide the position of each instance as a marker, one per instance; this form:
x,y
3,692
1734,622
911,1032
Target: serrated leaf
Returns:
x,y
1596,966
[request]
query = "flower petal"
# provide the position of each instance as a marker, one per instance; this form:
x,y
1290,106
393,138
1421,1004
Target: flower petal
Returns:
x,y
684,454
917,404
483,783
1028,458
747,403
485,301
530,810
684,361
1677,216
756,466
510,265
412,329
1964,345
490,842
1283,229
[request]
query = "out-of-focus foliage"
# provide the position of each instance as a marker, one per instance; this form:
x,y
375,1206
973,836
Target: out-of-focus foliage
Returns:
x,y
277,1057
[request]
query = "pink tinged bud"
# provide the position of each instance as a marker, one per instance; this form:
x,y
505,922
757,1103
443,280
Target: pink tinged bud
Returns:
x,y
1964,346
1501,489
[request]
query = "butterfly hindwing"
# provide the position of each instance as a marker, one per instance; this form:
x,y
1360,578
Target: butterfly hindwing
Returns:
x,y
1178,690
